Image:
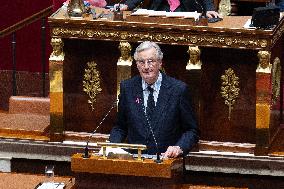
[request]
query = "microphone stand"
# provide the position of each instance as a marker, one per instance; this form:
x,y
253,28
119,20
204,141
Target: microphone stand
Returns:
x,y
158,159
200,7
86,150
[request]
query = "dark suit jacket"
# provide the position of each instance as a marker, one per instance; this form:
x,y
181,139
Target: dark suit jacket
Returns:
x,y
173,122
186,5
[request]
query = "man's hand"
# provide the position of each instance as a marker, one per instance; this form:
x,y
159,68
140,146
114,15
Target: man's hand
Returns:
x,y
211,14
173,152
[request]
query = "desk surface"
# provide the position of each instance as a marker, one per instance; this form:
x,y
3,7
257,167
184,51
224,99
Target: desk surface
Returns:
x,y
228,33
28,181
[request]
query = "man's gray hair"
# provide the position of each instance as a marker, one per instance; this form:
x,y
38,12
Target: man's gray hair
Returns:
x,y
148,45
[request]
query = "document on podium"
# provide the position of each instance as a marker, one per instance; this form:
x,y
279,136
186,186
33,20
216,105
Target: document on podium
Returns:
x,y
146,12
50,185
113,150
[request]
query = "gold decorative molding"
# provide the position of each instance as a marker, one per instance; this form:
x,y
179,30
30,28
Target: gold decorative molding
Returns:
x,y
276,78
278,34
230,88
57,46
225,7
264,65
194,61
197,40
91,83
55,76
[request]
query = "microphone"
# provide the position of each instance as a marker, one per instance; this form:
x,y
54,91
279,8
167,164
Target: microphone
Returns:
x,y
86,150
200,7
158,160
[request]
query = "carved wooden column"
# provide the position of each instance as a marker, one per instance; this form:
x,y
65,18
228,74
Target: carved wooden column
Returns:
x,y
124,63
193,72
263,102
56,90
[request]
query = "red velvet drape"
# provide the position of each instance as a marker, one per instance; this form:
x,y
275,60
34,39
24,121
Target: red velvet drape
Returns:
x,y
28,39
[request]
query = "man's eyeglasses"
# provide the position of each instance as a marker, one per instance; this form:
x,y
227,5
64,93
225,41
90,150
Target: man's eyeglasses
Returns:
x,y
150,62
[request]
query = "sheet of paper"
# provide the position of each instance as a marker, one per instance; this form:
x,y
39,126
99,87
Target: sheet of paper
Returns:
x,y
113,150
51,185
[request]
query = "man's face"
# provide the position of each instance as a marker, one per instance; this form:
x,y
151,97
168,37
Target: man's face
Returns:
x,y
148,65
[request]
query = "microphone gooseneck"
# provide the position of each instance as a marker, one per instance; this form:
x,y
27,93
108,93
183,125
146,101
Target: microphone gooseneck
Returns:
x,y
158,160
203,13
86,150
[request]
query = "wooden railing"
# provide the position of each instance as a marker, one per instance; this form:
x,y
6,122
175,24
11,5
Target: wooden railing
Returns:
x,y
11,30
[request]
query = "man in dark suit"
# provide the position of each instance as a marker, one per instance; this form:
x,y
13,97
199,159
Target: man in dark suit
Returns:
x,y
179,6
157,102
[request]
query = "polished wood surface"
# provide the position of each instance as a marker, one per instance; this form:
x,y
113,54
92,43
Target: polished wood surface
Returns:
x,y
146,168
96,172
227,33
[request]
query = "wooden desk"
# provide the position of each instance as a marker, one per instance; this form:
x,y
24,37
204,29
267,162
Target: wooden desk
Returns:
x,y
96,172
27,181
248,113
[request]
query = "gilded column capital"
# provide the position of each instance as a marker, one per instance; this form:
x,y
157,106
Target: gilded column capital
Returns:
x,y
57,46
125,51
264,65
194,62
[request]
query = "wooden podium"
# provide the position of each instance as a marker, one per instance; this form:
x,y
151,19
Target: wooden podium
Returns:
x,y
234,74
97,172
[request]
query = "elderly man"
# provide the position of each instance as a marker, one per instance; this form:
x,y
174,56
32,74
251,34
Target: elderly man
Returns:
x,y
154,106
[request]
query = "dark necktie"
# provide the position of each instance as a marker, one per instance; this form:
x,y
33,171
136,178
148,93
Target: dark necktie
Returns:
x,y
150,104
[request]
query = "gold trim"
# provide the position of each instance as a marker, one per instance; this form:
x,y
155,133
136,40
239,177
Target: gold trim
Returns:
x,y
276,78
278,34
194,62
229,88
187,39
264,65
91,83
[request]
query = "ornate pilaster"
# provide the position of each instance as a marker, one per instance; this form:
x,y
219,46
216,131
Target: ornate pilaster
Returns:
x,y
263,102
124,63
56,90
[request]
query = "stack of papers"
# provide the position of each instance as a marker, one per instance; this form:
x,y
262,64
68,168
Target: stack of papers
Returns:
x,y
113,150
51,185
146,12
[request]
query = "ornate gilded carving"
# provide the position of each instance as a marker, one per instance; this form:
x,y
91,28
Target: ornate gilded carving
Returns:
x,y
264,65
225,7
194,58
125,51
278,34
76,8
91,83
57,46
198,40
230,88
276,77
